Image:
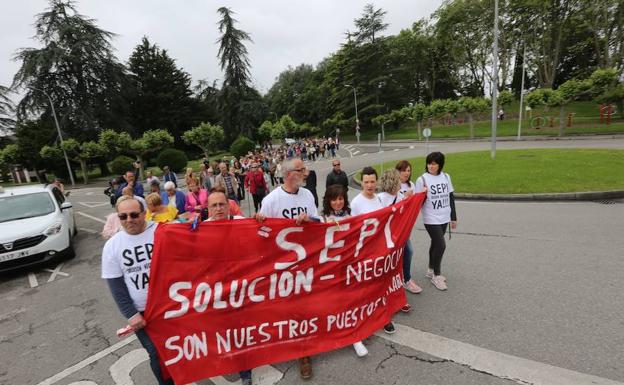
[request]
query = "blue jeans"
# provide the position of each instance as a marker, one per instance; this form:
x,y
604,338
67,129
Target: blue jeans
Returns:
x,y
408,251
153,356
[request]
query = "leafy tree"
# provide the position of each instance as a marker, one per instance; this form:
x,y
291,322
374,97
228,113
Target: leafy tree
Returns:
x,y
235,65
369,24
78,152
205,136
438,108
161,92
505,98
6,110
472,106
265,132
288,125
76,67
278,131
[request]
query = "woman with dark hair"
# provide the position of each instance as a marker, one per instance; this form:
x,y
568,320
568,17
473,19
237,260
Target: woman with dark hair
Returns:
x,y
438,211
336,208
405,191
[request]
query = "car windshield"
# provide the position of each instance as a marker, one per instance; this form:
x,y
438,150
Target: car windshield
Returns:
x,y
25,206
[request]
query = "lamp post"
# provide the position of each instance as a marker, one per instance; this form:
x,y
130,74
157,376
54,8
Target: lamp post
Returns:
x,y
494,80
357,121
58,129
522,92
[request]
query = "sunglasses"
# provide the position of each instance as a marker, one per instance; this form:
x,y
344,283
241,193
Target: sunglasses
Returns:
x,y
124,216
336,164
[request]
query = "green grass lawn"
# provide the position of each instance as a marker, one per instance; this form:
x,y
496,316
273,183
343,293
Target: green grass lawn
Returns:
x,y
586,120
531,171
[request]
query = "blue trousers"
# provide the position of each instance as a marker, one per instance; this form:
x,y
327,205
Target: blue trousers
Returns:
x,y
408,251
153,356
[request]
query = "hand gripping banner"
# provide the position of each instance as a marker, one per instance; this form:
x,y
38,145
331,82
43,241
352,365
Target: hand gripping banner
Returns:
x,y
238,294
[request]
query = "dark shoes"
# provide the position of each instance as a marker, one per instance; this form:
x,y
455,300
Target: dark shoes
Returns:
x,y
305,368
389,328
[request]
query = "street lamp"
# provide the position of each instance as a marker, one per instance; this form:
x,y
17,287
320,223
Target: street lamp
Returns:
x,y
357,121
494,81
58,129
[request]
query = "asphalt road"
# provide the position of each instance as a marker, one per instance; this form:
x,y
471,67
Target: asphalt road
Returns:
x,y
534,297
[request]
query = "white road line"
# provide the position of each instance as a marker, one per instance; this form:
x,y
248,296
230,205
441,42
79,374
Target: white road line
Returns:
x,y
121,369
88,230
395,150
32,280
91,217
411,147
356,152
94,204
55,272
497,364
87,361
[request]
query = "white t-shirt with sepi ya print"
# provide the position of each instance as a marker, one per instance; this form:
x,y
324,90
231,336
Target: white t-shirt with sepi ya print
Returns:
x,y
437,208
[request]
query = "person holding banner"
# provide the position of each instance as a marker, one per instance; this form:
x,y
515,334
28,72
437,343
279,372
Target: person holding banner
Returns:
x,y
219,210
406,190
438,211
126,262
365,202
291,201
336,208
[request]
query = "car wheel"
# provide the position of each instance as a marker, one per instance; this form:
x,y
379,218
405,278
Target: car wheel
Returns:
x,y
71,252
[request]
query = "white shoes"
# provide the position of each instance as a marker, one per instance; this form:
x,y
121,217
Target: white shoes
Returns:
x,y
360,349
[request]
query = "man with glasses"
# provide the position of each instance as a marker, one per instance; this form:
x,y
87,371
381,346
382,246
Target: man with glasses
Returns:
x,y
126,260
291,201
337,176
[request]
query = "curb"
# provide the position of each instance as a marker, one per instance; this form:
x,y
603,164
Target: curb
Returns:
x,y
528,138
572,196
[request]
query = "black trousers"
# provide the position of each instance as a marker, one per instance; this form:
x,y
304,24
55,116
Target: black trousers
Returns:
x,y
438,245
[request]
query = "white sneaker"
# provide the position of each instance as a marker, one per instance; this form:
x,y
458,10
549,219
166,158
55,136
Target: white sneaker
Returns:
x,y
430,275
439,282
360,349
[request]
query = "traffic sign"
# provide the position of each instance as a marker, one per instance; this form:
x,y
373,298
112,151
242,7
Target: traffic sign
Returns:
x,y
426,132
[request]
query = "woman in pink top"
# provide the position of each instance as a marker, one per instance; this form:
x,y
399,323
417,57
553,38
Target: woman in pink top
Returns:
x,y
196,199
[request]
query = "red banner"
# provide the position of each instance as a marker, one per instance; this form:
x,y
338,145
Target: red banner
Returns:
x,y
234,295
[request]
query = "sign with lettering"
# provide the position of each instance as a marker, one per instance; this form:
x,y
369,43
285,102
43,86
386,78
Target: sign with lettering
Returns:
x,y
234,295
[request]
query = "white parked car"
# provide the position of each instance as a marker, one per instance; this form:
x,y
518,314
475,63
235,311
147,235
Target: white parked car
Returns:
x,y
36,225
290,141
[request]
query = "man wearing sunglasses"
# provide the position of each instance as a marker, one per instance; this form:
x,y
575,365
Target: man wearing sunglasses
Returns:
x,y
337,176
126,260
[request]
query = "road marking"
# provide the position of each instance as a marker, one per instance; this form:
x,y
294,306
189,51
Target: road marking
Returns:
x,y
87,361
32,280
411,147
121,369
83,383
93,204
89,193
55,272
356,152
396,149
91,217
90,231
497,364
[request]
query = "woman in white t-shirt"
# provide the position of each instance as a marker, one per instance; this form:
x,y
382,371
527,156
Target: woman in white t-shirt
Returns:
x,y
437,211
336,208
390,184
406,190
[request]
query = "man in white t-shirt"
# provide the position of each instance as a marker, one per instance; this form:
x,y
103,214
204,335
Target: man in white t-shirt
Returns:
x,y
219,210
365,202
291,201
126,261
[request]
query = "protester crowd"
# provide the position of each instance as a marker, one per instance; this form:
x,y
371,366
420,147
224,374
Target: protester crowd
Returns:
x,y
281,186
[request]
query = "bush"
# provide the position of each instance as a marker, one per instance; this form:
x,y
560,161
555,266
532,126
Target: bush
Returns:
x,y
175,159
121,164
241,146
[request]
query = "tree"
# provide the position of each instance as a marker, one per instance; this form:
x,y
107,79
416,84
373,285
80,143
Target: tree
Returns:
x,y
78,152
235,65
288,125
505,98
567,92
265,132
76,67
472,106
161,92
6,111
205,136
369,24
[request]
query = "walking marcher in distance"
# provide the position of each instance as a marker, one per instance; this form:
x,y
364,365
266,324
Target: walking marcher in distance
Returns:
x,y
173,197
337,176
406,190
256,184
310,183
365,202
227,180
336,208
291,201
125,260
130,180
437,212
169,176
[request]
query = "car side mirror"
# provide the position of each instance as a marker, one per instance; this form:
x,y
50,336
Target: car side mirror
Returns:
x,y
66,205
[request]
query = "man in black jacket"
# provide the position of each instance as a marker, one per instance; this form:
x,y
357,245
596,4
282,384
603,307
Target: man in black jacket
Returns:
x,y
337,176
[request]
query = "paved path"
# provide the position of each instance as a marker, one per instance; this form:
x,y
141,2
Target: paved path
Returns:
x,y
534,297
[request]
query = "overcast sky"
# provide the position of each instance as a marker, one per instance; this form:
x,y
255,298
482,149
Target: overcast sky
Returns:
x,y
285,33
